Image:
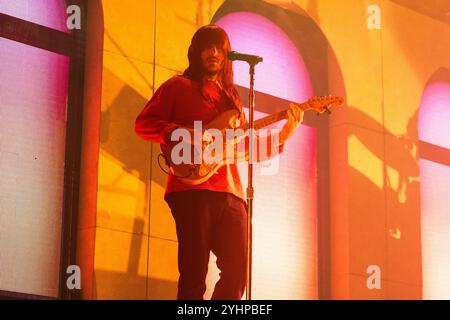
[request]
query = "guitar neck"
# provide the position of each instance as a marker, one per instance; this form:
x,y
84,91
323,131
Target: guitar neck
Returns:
x,y
270,119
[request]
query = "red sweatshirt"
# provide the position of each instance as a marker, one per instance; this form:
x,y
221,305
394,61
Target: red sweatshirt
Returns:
x,y
178,102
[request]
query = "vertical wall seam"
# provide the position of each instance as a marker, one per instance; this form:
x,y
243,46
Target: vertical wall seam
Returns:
x,y
149,182
385,172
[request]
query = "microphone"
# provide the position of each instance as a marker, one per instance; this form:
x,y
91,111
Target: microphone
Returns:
x,y
251,59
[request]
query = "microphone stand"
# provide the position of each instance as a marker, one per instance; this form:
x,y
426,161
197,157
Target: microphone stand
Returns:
x,y
250,190
252,60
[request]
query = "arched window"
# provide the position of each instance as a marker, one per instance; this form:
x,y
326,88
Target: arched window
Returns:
x,y
285,238
41,63
434,150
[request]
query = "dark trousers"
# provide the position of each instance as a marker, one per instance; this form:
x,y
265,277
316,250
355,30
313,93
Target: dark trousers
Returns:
x,y
210,221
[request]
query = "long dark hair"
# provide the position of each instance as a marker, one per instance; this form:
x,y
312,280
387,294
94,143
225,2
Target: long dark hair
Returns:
x,y
203,38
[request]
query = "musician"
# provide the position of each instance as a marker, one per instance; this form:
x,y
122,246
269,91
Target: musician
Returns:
x,y
210,216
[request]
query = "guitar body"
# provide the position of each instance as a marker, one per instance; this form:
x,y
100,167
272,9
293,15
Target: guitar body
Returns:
x,y
192,173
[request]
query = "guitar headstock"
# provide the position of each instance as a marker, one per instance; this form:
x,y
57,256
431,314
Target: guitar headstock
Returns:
x,y
323,104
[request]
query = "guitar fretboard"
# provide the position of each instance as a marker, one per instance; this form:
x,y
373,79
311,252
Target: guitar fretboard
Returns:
x,y
268,120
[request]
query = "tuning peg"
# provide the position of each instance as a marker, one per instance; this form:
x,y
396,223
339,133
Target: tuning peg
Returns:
x,y
327,110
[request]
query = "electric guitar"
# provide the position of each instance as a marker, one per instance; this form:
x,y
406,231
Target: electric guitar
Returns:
x,y
196,172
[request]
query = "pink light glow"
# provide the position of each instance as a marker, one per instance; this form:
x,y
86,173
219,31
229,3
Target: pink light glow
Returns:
x,y
285,218
434,128
49,13
434,117
33,101
283,72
